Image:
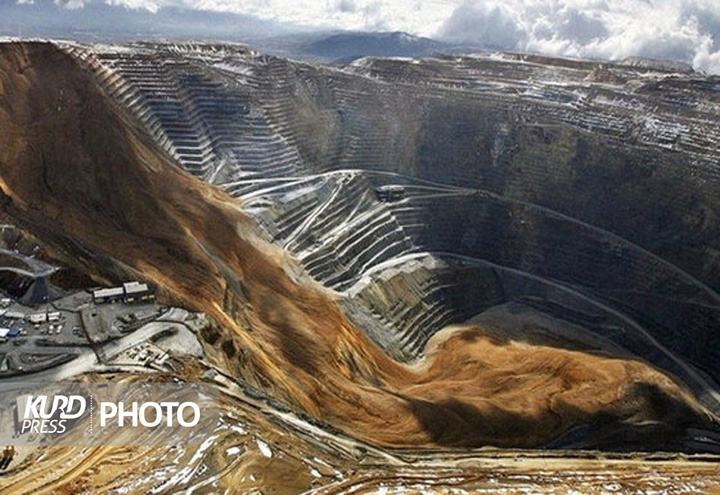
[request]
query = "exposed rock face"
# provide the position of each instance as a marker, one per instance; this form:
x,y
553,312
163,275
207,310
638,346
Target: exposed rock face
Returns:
x,y
581,214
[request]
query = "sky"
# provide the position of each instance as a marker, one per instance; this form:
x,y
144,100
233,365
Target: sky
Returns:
x,y
680,30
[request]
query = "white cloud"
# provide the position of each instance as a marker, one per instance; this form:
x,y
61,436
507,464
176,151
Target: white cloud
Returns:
x,y
683,30
422,17
680,30
70,4
707,59
490,25
346,6
149,5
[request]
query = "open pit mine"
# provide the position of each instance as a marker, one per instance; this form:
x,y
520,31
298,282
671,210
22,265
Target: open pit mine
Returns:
x,y
452,274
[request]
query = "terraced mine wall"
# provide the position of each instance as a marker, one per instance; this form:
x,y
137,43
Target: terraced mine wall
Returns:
x,y
538,299
596,178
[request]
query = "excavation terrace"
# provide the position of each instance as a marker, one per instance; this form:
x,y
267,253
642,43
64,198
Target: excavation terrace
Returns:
x,y
513,181
536,219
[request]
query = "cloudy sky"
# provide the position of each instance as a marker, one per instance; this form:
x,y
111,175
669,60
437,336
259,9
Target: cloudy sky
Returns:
x,y
683,30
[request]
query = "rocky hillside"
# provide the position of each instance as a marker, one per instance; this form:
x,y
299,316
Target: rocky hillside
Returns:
x,y
456,252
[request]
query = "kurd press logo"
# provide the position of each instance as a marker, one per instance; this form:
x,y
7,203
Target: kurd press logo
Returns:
x,y
108,413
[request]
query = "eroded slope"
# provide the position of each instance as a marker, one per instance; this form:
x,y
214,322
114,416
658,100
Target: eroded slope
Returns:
x,y
82,175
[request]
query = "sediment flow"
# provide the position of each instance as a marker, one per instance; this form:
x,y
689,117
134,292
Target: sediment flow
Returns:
x,y
338,302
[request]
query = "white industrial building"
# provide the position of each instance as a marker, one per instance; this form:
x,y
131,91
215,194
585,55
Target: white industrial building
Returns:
x,y
130,292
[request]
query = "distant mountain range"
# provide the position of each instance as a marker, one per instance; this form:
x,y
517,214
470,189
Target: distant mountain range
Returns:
x,y
352,45
346,46
100,22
